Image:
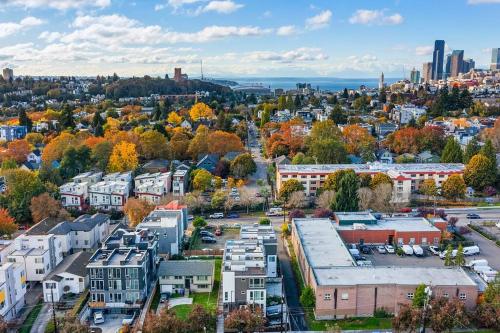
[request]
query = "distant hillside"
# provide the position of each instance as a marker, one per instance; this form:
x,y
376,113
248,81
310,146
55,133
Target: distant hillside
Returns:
x,y
137,87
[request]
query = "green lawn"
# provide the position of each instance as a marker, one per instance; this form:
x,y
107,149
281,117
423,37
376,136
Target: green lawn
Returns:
x,y
30,320
156,299
363,323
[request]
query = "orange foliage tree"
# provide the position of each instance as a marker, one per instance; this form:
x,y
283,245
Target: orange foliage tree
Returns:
x,y
7,223
200,111
123,158
404,141
357,138
44,206
137,210
54,150
18,150
221,142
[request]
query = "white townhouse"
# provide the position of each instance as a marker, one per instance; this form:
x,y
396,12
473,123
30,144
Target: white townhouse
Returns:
x,y
152,187
112,192
74,194
12,289
69,277
180,181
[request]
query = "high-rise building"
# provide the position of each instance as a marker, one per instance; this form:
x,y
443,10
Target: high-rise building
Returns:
x,y
427,71
437,60
381,81
495,58
457,61
8,74
447,67
177,74
469,64
415,76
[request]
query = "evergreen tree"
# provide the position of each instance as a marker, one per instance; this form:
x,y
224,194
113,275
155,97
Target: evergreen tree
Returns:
x,y
448,258
454,99
345,93
67,120
290,104
488,151
465,99
97,123
337,115
459,258
24,120
157,112
346,199
471,149
165,110
297,102
382,96
452,153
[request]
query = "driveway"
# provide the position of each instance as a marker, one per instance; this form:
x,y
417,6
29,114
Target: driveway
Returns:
x,y
42,320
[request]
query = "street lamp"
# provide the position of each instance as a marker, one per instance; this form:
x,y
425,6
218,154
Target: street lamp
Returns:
x,y
428,294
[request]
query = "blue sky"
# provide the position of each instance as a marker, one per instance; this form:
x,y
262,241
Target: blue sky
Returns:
x,y
240,38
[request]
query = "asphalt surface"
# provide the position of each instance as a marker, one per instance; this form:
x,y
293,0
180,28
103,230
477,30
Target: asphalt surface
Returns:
x,y
296,313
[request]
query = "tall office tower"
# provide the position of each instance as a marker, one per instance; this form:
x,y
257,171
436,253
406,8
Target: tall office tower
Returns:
x,y
495,58
469,64
427,71
8,74
447,67
437,60
457,62
381,83
415,76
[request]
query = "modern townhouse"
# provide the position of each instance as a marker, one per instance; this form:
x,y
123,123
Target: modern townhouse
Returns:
x,y
267,236
180,276
180,182
10,133
244,275
123,271
169,223
406,177
343,289
12,289
70,277
75,194
109,195
152,187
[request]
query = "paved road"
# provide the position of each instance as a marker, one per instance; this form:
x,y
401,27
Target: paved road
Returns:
x,y
297,320
42,320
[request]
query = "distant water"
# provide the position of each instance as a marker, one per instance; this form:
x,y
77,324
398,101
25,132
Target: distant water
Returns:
x,y
324,83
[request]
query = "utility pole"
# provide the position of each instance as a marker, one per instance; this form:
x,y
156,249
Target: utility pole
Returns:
x,y
53,307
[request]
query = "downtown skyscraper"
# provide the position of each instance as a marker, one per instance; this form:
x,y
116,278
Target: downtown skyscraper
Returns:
x,y
437,60
495,58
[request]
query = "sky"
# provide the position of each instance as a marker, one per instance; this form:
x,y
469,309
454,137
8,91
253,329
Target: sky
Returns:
x,y
241,38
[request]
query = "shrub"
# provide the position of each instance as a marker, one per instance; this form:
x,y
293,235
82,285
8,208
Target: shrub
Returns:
x,y
264,221
382,313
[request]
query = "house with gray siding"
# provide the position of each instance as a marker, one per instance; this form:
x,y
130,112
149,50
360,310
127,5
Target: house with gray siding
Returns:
x,y
176,276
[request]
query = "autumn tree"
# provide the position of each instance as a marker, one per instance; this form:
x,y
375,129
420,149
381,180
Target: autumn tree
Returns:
x,y
195,200
202,180
380,178
245,320
218,199
365,197
152,144
453,187
179,145
199,222
297,199
404,140
332,181
322,213
288,187
220,142
165,321
18,150
325,144
477,172
44,206
136,210
358,140
199,144
223,168
243,165
447,314
408,319
34,138
200,319
54,150
123,158
7,223
200,111
381,198
428,187
325,199
452,153
174,118
71,324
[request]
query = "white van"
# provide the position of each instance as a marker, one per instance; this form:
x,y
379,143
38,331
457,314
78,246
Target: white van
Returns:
x,y
216,216
98,318
443,254
417,249
275,211
489,276
477,262
407,249
481,269
471,250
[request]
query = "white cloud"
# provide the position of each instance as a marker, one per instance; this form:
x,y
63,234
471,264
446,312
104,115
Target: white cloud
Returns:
x,y
10,28
50,36
58,4
480,2
375,17
286,30
222,7
302,54
424,50
319,21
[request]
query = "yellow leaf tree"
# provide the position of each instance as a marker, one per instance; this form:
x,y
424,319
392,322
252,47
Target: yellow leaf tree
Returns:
x,y
123,158
174,118
137,210
200,111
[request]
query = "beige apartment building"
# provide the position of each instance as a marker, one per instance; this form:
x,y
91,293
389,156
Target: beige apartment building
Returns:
x,y
407,177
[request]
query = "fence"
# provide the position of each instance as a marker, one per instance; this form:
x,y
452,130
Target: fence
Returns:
x,y
212,252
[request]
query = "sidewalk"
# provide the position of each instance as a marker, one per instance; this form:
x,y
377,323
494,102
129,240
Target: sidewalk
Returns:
x,y
43,318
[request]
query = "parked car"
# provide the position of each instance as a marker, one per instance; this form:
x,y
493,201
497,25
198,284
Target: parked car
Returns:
x,y
233,215
418,251
216,216
365,249
205,233
473,216
471,250
390,249
98,317
434,250
381,249
477,262
207,239
129,319
407,249
163,298
275,211
190,217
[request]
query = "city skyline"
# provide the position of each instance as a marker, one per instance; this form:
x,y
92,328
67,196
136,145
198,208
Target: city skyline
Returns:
x,y
239,38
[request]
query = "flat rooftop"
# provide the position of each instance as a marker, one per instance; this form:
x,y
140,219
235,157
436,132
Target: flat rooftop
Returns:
x,y
396,223
322,244
437,276
117,257
372,168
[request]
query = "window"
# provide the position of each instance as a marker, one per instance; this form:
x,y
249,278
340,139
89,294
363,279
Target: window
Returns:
x,y
132,273
424,240
272,258
40,271
327,297
226,297
409,295
115,284
243,292
446,295
98,297
203,286
97,285
256,295
412,240
202,278
256,283
462,296
345,296
39,260
178,277
50,285
133,284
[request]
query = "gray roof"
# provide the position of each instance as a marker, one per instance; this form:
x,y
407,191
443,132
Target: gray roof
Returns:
x,y
186,267
75,264
82,223
42,227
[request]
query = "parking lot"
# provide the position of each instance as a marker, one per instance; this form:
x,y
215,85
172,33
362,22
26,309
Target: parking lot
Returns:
x,y
229,233
112,323
391,259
